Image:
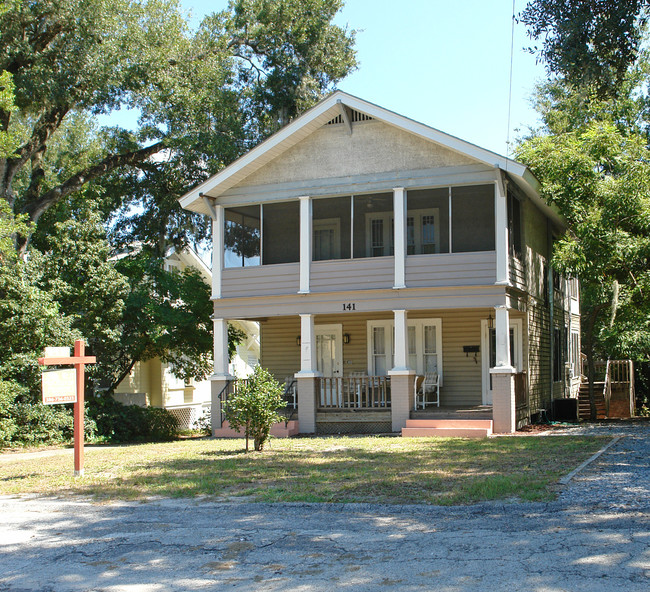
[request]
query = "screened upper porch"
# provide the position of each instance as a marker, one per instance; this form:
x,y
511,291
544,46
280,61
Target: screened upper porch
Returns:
x,y
438,221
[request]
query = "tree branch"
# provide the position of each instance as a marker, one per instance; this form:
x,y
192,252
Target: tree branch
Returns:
x,y
38,206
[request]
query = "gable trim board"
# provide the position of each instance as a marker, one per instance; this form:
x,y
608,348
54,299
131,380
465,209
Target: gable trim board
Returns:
x,y
319,116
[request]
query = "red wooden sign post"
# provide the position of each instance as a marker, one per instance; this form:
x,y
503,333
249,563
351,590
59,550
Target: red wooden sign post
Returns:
x,y
79,360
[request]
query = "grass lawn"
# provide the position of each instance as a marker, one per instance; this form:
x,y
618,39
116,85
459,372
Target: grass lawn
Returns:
x,y
334,469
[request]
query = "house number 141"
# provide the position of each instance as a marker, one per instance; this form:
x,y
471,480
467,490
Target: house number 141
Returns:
x,y
349,306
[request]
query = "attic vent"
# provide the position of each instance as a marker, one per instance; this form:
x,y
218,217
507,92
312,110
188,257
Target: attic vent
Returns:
x,y
354,116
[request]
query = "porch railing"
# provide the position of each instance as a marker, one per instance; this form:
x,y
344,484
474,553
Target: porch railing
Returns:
x,y
352,392
230,389
521,391
289,395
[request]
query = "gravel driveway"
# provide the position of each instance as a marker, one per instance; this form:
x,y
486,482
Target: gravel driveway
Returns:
x,y
595,537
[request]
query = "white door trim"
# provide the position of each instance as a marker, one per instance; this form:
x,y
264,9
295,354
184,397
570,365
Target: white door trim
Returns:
x,y
518,363
337,330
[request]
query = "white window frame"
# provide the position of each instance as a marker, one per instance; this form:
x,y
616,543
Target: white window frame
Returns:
x,y
516,325
387,246
417,216
574,353
327,224
389,346
388,229
171,265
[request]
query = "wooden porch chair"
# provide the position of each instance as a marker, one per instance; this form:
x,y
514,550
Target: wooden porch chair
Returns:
x,y
357,386
427,390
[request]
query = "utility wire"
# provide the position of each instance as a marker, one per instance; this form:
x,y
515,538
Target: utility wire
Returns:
x,y
512,53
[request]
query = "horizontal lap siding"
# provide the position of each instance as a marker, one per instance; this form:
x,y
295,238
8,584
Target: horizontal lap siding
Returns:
x,y
278,349
517,273
462,375
539,356
473,269
352,274
261,280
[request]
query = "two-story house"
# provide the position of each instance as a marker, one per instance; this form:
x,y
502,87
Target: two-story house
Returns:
x,y
373,249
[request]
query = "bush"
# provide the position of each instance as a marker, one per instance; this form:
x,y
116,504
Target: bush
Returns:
x,y
254,406
35,423
130,423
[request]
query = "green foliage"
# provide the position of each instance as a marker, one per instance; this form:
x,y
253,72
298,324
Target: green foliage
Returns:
x,y
8,141
205,96
131,423
30,319
599,178
590,43
167,315
26,423
254,406
79,274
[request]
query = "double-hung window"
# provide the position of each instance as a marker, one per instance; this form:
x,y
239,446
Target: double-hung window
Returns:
x,y
422,233
424,346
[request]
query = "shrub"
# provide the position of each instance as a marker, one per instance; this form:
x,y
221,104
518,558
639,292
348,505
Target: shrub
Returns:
x,y
34,423
130,423
254,406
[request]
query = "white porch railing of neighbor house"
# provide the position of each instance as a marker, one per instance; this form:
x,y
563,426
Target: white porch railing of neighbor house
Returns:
x,y
353,392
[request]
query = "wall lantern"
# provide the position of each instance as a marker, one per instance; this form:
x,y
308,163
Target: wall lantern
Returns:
x,y
346,338
298,341
490,321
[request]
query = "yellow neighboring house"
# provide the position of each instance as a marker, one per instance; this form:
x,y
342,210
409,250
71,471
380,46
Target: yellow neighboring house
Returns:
x,y
153,382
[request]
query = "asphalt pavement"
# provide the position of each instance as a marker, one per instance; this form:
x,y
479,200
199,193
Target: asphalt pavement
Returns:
x,y
595,537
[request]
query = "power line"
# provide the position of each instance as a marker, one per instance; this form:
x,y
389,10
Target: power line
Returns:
x,y
512,53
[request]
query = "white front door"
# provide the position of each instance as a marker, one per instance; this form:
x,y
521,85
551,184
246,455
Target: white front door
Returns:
x,y
329,362
488,347
329,350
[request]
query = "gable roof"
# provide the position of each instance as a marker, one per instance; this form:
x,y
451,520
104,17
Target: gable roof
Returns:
x,y
332,107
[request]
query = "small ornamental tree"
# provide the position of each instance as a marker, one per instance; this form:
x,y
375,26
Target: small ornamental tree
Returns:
x,y
254,406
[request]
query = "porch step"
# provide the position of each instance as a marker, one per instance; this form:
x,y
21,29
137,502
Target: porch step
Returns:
x,y
584,408
447,428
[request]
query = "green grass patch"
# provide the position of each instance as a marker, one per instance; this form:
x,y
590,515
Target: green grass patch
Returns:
x,y
334,469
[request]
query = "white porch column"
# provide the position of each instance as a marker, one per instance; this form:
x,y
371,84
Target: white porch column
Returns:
x,y
502,326
305,243
221,348
503,377
220,380
307,377
401,376
399,213
501,232
218,223
401,340
307,344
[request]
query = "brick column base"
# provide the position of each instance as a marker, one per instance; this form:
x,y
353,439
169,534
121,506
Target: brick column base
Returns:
x,y
306,404
401,397
503,400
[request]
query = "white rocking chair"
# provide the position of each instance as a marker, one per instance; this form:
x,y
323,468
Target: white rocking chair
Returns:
x,y
427,390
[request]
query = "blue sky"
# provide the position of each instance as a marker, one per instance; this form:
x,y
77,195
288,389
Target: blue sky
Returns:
x,y
440,62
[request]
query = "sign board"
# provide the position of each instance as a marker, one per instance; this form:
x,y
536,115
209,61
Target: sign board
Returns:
x,y
57,352
59,386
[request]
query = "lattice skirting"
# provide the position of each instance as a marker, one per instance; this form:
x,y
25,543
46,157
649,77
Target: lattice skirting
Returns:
x,y
187,416
350,427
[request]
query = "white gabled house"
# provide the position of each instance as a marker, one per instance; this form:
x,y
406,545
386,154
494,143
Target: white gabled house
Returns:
x,y
372,250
